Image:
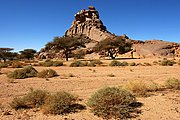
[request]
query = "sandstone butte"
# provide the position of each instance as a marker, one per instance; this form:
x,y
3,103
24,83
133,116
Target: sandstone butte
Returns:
x,y
89,24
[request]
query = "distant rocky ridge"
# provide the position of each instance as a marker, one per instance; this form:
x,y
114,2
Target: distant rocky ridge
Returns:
x,y
88,23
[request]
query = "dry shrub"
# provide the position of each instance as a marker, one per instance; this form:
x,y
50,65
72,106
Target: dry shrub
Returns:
x,y
77,64
112,102
137,87
3,65
57,63
60,103
167,62
172,83
93,63
117,63
153,87
47,63
26,72
35,98
47,73
57,103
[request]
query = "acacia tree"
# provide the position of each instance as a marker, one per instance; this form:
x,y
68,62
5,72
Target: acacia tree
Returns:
x,y
65,44
112,46
5,53
27,53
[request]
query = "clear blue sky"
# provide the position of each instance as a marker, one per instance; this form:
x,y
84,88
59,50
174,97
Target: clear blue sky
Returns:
x,y
32,23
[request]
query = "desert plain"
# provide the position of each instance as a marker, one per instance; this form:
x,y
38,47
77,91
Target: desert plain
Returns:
x,y
84,81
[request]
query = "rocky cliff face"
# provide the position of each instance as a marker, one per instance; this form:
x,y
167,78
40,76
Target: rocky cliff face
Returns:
x,y
88,23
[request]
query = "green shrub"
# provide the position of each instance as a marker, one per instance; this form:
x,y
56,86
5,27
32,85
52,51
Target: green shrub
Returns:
x,y
167,62
112,102
26,72
60,103
35,98
137,87
115,63
77,64
47,73
57,63
172,83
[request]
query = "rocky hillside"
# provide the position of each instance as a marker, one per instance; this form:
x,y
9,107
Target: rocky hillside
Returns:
x,y
88,24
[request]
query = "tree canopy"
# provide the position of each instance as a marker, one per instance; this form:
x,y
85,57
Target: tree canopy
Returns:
x,y
5,53
27,53
65,44
112,46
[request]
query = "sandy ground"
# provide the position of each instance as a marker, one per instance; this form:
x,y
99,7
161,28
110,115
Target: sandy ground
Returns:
x,y
162,105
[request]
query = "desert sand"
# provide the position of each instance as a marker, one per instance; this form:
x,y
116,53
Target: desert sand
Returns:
x,y
161,105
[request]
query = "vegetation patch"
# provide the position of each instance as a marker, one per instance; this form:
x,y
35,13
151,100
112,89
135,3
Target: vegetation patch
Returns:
x,y
35,98
77,64
26,72
137,87
3,65
57,63
117,63
167,62
94,63
47,73
172,83
61,103
112,102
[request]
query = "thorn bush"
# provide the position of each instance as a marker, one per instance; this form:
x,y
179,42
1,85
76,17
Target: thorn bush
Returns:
x,y
26,72
35,98
60,103
112,102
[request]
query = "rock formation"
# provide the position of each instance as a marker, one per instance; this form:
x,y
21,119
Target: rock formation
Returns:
x,y
155,48
88,23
